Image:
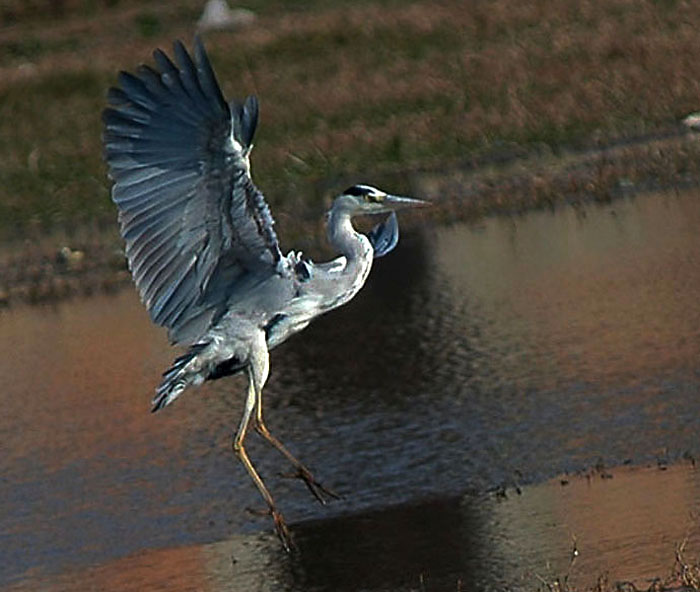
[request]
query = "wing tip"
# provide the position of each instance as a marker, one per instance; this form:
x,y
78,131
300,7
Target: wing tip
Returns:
x,y
246,113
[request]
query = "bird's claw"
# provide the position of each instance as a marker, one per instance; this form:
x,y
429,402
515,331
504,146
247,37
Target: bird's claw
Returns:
x,y
321,493
281,527
283,531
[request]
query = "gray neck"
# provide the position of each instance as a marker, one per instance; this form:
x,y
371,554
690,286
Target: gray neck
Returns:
x,y
358,252
344,237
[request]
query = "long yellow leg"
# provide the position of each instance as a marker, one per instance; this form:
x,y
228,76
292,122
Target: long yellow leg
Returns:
x,y
318,490
257,374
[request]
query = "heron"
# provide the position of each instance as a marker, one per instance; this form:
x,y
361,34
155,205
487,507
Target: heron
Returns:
x,y
200,239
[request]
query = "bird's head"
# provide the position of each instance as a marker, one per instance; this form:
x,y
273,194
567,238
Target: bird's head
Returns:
x,y
365,199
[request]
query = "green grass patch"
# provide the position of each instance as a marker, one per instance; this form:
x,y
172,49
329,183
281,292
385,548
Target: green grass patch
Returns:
x,y
353,89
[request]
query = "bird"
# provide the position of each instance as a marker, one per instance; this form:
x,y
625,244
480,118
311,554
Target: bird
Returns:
x,y
200,239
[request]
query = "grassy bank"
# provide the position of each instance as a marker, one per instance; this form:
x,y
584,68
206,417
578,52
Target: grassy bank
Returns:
x,y
347,89
479,106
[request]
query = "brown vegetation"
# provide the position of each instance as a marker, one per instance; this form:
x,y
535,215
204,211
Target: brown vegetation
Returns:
x,y
481,107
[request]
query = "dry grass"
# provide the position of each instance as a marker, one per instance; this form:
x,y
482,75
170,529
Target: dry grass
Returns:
x,y
684,577
388,91
347,89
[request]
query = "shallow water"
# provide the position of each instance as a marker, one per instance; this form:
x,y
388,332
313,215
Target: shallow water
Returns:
x,y
476,357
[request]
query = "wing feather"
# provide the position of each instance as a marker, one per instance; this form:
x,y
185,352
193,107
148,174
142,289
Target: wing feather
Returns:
x,y
194,223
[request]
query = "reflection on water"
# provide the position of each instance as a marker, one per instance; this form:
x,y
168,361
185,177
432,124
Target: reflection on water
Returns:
x,y
474,357
617,525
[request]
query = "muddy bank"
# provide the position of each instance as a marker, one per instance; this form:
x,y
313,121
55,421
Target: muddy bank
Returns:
x,y
627,529
82,260
478,362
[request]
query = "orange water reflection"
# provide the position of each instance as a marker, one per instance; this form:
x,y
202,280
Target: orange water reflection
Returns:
x,y
91,365
521,348
598,297
627,525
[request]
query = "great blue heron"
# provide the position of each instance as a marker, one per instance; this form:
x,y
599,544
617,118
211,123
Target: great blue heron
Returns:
x,y
200,240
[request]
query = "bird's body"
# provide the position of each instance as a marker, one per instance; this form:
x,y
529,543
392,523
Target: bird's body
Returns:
x,y
276,305
200,239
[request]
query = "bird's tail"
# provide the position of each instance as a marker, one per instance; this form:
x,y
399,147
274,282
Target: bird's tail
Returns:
x,y
177,378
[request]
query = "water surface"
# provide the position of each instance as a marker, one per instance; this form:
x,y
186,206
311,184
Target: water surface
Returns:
x,y
476,357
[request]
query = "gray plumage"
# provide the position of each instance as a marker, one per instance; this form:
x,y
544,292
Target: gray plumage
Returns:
x,y
200,239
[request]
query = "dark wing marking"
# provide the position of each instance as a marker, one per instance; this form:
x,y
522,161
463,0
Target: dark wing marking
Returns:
x,y
384,236
193,221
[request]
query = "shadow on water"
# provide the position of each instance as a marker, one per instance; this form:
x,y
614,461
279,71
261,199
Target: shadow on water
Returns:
x,y
395,547
475,358
371,336
626,525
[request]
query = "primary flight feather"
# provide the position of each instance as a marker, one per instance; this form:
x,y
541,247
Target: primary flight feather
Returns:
x,y
200,239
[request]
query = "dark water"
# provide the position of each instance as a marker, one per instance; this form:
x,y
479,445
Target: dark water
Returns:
x,y
476,357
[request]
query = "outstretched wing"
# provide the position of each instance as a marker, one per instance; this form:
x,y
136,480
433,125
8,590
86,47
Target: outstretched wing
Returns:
x,y
194,223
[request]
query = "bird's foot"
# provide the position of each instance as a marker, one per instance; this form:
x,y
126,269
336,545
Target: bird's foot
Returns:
x,y
321,493
283,531
281,527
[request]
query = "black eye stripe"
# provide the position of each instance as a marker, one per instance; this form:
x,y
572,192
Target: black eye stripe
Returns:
x,y
357,190
369,193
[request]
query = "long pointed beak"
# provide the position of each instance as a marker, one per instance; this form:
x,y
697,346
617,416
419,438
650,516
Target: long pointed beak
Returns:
x,y
398,202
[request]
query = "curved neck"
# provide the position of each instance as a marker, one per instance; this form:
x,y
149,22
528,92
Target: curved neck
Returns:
x,y
358,254
345,238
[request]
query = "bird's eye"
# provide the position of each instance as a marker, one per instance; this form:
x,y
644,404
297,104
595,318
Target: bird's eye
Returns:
x,y
374,197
